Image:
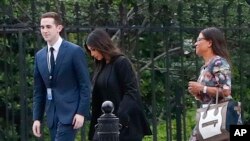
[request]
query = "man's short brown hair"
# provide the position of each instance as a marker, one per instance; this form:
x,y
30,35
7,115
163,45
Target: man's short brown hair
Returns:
x,y
54,15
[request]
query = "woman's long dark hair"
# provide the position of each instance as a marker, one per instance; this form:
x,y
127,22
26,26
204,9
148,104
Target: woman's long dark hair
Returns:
x,y
219,45
100,40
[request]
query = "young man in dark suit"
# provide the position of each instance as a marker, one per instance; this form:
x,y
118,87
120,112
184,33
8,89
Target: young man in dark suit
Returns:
x,y
61,83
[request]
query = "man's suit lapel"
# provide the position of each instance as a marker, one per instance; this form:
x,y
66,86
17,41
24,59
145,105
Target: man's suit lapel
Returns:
x,y
44,64
60,57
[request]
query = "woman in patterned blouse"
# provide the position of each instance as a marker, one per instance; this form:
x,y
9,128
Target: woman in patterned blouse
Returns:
x,y
215,74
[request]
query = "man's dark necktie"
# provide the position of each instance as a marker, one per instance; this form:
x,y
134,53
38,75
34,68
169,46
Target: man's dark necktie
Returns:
x,y
52,61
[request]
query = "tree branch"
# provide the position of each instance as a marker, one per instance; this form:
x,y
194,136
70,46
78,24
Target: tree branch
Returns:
x,y
158,57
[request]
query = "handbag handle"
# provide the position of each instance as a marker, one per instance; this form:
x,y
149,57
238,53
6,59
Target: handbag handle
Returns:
x,y
217,96
217,99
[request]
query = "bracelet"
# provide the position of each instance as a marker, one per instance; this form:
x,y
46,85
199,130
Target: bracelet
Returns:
x,y
204,89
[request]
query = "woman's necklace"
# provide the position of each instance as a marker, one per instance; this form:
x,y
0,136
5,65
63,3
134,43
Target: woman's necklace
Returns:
x,y
206,63
203,69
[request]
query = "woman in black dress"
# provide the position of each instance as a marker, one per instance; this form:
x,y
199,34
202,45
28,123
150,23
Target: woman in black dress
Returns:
x,y
114,79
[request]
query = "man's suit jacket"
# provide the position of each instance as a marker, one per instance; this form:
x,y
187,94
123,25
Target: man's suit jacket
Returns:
x,y
70,85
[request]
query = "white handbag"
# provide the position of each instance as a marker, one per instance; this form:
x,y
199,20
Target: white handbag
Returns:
x,y
211,122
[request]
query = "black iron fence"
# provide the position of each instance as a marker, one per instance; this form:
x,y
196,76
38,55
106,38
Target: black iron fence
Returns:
x,y
156,35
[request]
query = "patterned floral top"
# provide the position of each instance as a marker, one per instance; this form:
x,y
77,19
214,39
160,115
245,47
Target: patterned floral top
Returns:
x,y
216,74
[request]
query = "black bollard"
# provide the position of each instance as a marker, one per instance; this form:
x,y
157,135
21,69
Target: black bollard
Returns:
x,y
108,124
